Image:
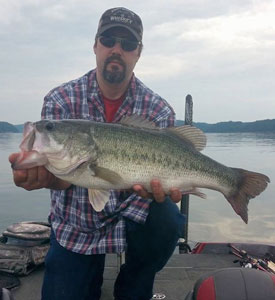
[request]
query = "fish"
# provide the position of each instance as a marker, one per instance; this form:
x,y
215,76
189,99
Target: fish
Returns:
x,y
116,156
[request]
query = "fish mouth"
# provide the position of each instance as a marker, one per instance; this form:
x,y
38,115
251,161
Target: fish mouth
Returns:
x,y
29,157
28,137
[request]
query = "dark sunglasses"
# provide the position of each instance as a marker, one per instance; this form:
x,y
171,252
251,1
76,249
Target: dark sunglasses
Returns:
x,y
126,45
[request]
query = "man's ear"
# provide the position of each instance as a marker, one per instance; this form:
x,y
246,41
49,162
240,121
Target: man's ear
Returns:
x,y
140,49
94,47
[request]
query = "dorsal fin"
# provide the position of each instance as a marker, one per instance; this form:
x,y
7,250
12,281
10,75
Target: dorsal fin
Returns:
x,y
191,135
137,121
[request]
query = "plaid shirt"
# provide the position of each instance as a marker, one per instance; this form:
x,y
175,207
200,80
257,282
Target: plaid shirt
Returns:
x,y
76,225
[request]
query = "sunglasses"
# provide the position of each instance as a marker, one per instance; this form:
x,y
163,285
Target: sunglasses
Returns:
x,y
125,44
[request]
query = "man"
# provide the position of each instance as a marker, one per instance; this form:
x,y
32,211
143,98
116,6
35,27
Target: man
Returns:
x,y
148,224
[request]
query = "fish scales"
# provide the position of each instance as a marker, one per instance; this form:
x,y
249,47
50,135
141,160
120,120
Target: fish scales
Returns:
x,y
131,152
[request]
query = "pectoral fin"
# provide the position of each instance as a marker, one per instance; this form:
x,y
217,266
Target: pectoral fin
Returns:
x,y
106,174
98,198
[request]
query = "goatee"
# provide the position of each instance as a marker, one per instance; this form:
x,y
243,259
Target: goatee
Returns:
x,y
115,75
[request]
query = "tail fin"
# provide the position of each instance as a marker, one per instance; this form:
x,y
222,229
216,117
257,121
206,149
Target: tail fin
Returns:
x,y
251,184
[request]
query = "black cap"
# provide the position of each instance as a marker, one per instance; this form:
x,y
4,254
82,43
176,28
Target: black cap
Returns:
x,y
121,17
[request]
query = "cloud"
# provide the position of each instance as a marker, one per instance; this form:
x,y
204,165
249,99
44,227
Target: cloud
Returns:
x,y
230,230
10,12
220,52
155,66
247,31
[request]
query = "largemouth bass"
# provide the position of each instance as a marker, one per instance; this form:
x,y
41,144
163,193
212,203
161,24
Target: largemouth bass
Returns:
x,y
107,156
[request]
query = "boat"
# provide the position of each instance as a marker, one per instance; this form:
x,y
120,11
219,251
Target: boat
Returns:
x,y
25,245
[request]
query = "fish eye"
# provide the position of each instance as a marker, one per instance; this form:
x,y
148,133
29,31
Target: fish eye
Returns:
x,y
49,126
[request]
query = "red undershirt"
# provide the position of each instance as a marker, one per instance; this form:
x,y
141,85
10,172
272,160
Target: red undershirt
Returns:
x,y
111,107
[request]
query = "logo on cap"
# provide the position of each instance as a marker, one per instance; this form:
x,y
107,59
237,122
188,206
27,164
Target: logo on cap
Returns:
x,y
123,17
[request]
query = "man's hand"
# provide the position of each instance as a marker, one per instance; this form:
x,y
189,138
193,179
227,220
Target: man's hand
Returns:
x,y
36,178
157,192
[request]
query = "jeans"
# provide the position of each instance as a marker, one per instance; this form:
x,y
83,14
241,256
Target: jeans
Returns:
x,y
71,276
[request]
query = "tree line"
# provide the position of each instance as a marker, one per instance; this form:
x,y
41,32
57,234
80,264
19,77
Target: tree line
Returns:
x,y
222,127
230,126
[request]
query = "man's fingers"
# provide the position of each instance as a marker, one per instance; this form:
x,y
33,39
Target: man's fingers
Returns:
x,y
43,175
38,177
157,191
20,176
141,191
13,157
175,195
30,179
32,175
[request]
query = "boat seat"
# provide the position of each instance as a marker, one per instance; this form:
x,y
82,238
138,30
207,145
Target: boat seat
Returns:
x,y
234,283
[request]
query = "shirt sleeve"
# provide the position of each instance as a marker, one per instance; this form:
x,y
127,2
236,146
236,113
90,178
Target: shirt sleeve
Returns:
x,y
166,118
54,107
161,113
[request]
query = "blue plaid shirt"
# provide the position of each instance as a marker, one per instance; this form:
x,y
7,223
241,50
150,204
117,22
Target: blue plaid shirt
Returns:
x,y
76,225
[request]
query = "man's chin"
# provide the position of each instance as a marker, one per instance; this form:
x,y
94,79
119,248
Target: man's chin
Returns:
x,y
113,77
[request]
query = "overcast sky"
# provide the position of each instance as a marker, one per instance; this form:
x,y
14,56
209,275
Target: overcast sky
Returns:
x,y
220,52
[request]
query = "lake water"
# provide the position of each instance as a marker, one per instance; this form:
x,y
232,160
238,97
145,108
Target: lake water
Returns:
x,y
211,219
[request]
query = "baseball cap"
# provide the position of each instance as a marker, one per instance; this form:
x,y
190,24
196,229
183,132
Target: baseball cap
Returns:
x,y
121,17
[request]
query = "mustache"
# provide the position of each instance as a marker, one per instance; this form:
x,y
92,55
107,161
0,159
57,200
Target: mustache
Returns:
x,y
116,58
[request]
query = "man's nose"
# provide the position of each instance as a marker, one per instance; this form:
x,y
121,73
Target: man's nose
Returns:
x,y
117,48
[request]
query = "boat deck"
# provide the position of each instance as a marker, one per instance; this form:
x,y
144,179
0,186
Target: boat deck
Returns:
x,y
174,281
